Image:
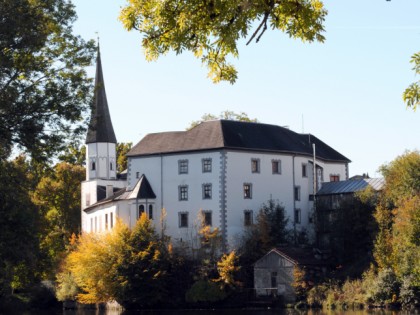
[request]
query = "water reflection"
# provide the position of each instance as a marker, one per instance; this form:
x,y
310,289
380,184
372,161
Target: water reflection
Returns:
x,y
241,312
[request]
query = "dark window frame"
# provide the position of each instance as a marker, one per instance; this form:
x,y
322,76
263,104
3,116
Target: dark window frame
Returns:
x,y
247,190
255,165
206,165
183,166
183,219
276,166
183,192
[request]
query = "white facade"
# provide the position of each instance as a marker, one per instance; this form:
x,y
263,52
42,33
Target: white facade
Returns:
x,y
230,171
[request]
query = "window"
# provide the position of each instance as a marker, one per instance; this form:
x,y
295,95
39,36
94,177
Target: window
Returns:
x,y
96,224
87,200
93,166
297,216
91,224
137,174
183,219
255,165
106,221
150,212
304,170
248,217
207,218
334,178
297,193
111,220
276,166
183,166
248,191
110,166
183,192
141,211
207,191
206,163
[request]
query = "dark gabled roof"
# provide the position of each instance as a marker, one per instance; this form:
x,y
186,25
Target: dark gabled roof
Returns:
x,y
218,134
350,186
100,126
142,190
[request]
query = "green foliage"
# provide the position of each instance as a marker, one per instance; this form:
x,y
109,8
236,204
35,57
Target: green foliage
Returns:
x,y
19,249
204,291
351,294
44,88
57,196
212,30
411,95
269,231
67,288
73,154
227,115
397,246
122,150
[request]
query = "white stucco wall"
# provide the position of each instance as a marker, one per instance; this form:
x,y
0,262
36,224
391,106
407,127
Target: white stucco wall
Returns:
x,y
103,154
230,170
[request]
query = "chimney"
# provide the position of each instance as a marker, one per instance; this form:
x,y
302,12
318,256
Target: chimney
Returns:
x,y
109,191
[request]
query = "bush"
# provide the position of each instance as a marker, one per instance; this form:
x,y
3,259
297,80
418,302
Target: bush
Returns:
x,y
204,291
386,287
409,293
316,296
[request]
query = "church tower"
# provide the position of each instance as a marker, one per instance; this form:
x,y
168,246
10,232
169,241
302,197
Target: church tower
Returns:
x,y
100,140
101,158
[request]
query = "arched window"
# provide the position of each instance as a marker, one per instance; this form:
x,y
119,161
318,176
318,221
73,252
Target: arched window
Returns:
x,y
150,212
141,210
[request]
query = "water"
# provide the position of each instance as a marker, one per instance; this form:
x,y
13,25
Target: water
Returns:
x,y
229,312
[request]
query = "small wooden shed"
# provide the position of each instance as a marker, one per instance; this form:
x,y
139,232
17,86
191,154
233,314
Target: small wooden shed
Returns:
x,y
273,273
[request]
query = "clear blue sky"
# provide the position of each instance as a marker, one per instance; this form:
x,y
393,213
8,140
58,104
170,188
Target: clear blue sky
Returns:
x,y
346,91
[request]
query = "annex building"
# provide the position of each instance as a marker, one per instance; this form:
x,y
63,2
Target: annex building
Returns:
x,y
226,169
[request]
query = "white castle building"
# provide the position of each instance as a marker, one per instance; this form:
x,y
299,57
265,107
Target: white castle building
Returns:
x,y
226,169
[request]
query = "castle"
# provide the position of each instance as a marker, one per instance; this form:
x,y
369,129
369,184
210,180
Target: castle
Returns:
x,y
226,169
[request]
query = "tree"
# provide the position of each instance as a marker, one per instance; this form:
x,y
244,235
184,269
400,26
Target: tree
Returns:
x,y
122,150
57,196
411,95
397,246
44,89
74,154
211,29
19,247
227,115
125,265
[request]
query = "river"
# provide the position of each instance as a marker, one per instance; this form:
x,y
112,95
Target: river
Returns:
x,y
230,312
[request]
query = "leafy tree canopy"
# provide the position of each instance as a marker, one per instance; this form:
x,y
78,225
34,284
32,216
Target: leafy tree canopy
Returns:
x,y
212,29
227,115
44,89
411,95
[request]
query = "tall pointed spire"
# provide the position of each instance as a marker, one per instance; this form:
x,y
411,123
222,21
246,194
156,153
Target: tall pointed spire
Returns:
x,y
100,126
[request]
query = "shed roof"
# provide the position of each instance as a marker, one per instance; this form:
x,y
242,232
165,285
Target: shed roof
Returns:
x,y
238,135
350,186
298,256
